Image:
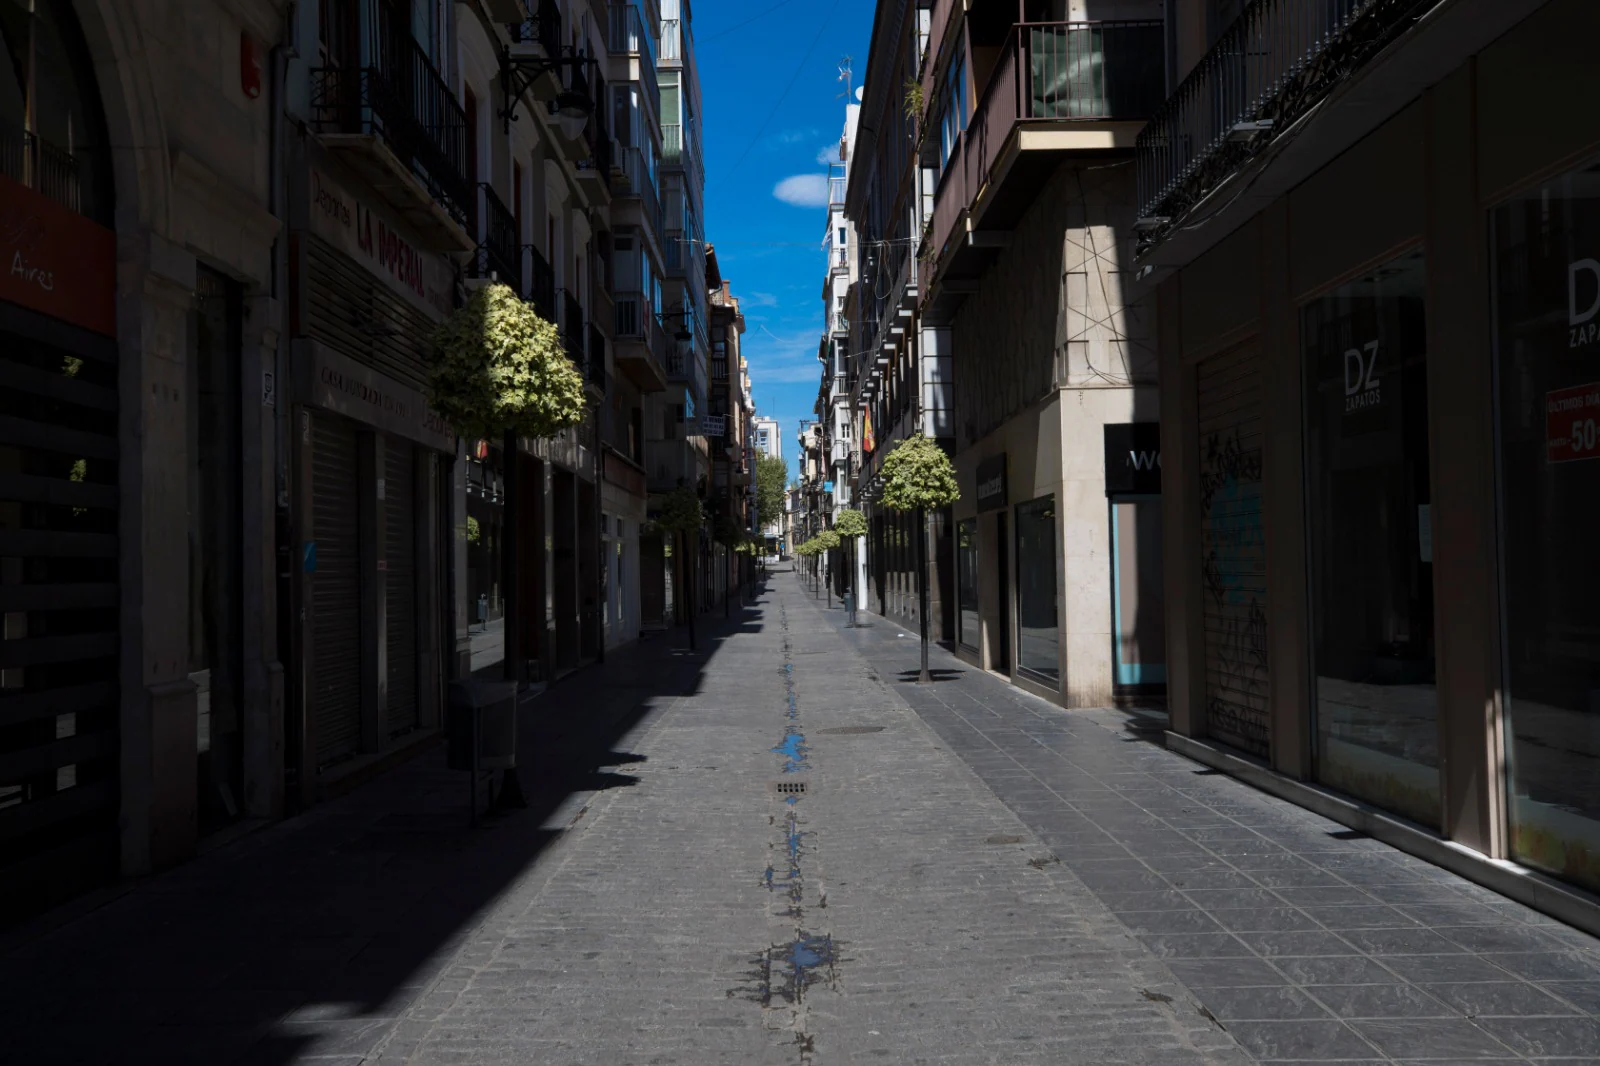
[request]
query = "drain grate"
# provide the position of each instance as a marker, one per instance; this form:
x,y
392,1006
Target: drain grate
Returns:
x,y
851,730
789,788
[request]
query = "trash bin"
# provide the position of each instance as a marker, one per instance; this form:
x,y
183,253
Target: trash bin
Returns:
x,y
481,725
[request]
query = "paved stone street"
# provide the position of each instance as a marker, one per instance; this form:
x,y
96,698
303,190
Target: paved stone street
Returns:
x,y
779,850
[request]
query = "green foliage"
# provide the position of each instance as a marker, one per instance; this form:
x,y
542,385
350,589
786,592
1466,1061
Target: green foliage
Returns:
x,y
772,476
680,511
849,522
827,540
914,99
498,368
807,548
917,476
473,531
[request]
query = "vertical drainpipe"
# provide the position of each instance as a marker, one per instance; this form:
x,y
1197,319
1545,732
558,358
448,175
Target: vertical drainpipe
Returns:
x,y
289,690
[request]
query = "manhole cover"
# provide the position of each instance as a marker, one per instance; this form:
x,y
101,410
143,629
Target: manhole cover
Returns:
x,y
851,730
789,788
1002,839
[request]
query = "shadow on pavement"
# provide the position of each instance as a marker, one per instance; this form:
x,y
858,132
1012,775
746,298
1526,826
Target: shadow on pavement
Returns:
x,y
311,937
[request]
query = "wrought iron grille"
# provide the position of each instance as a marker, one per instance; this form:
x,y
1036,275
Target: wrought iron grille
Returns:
x,y
1277,60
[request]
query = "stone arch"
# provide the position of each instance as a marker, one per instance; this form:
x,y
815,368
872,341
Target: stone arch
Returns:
x,y
141,177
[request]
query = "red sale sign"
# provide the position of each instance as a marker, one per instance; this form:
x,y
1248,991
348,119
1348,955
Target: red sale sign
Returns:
x,y
1571,417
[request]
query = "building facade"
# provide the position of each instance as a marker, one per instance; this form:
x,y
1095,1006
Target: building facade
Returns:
x,y
1375,559
241,560
1056,543
899,377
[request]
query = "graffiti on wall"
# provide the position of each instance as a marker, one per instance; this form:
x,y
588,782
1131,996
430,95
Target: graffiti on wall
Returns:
x,y
1234,567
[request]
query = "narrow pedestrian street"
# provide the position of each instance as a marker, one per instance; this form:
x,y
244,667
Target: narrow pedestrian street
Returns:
x,y
779,849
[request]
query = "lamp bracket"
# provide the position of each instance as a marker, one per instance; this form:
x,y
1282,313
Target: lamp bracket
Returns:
x,y
519,72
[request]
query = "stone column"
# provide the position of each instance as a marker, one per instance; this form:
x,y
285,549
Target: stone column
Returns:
x,y
158,718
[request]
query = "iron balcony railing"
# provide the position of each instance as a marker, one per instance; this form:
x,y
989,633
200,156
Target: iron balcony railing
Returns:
x,y
571,323
544,28
49,171
540,288
392,91
596,354
636,321
498,253
1052,72
1277,59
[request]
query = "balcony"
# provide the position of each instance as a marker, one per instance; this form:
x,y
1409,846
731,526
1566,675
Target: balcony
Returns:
x,y
1275,63
397,123
639,183
1057,88
540,288
498,254
678,150
629,37
673,46
49,171
638,342
571,323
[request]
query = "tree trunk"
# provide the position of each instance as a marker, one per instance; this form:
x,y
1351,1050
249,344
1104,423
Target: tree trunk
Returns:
x,y
922,590
688,587
828,577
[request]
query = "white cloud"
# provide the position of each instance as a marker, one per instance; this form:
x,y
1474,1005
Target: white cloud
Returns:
x,y
759,299
828,153
794,136
803,190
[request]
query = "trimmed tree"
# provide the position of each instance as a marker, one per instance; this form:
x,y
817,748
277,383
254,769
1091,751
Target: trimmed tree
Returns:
x,y
851,524
682,516
498,369
827,541
917,476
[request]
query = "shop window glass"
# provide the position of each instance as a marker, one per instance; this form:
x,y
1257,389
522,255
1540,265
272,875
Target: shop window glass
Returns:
x,y
1369,531
1038,631
967,582
1546,263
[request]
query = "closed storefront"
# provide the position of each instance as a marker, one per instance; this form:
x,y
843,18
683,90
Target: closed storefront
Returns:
x,y
373,460
334,562
1233,549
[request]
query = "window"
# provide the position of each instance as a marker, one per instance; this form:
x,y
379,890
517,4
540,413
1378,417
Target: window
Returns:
x,y
1369,540
1546,277
1038,631
953,122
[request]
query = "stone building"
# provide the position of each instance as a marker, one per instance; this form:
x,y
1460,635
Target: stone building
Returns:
x,y
1056,541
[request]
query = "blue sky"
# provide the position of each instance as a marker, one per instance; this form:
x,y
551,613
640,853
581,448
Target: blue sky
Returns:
x,y
765,207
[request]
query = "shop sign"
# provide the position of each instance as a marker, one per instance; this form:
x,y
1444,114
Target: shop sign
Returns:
x,y
55,261
992,483
1133,458
372,238
1570,417
338,383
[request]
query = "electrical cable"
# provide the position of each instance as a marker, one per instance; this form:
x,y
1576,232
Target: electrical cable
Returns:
x,y
746,22
778,104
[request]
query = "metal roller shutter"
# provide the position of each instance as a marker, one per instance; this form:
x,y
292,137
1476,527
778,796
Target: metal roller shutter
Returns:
x,y
60,635
400,582
336,587
1233,549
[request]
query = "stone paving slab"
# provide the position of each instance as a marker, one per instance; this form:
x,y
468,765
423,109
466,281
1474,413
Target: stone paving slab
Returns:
x,y
1310,943
894,912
